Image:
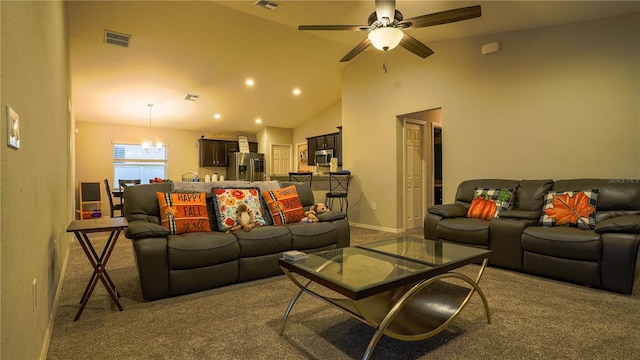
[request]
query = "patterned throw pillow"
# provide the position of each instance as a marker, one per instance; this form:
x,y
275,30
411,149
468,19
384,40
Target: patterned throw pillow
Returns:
x,y
483,209
571,208
183,212
227,201
284,205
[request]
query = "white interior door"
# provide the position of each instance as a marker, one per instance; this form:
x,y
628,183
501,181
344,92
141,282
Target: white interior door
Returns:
x,y
281,158
413,169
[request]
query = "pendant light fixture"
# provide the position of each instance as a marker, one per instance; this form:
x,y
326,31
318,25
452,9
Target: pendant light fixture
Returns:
x,y
146,145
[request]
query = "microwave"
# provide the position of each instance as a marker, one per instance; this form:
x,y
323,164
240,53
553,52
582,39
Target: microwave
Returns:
x,y
323,157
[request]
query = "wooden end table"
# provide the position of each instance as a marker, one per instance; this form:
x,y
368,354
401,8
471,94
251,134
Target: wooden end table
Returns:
x,y
83,227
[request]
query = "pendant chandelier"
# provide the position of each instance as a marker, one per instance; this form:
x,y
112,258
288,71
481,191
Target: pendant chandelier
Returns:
x,y
146,145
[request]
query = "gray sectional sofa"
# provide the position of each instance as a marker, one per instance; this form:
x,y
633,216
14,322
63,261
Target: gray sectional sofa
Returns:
x,y
605,256
172,265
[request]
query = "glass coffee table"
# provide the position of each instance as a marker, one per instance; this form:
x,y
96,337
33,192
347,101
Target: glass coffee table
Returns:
x,y
405,288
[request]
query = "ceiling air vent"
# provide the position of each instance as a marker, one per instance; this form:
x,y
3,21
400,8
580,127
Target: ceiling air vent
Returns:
x,y
266,4
111,37
191,97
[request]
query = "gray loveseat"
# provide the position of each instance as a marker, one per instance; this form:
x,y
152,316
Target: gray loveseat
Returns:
x,y
605,256
172,265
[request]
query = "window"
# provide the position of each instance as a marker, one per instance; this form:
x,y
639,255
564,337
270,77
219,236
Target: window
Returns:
x,y
133,162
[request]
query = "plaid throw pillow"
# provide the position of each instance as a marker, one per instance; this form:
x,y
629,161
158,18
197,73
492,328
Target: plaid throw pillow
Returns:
x,y
570,208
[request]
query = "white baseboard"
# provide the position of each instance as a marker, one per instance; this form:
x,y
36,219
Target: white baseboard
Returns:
x,y
54,310
378,228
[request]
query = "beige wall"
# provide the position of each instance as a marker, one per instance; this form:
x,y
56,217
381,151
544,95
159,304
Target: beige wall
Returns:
x,y
35,180
325,122
559,102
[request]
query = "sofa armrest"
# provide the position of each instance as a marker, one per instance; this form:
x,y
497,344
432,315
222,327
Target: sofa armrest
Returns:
x,y
331,216
140,229
629,224
449,210
520,214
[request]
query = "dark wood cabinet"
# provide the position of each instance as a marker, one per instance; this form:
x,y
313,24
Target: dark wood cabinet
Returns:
x,y
323,142
213,152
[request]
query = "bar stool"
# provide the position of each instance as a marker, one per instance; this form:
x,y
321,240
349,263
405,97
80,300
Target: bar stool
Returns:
x,y
338,189
301,177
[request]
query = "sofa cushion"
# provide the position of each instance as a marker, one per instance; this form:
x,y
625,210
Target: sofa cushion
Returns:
x,y
572,208
182,213
196,250
530,194
263,240
449,210
562,242
284,205
312,235
227,201
464,230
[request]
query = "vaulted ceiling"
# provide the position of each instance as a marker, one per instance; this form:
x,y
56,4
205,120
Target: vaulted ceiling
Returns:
x,y
209,49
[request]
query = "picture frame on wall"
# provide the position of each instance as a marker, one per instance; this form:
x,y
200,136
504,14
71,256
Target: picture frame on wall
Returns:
x,y
13,128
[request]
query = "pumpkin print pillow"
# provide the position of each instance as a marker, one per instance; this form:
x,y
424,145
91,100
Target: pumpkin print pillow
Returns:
x,y
489,203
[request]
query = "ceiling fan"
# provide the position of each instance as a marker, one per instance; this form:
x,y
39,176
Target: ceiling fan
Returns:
x,y
386,28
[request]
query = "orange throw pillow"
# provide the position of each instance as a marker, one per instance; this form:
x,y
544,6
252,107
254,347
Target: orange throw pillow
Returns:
x,y
284,205
183,212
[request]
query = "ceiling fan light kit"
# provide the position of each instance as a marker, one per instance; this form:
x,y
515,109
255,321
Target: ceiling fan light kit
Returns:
x,y
386,28
385,38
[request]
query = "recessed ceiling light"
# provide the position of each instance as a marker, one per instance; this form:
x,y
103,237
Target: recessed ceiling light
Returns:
x,y
258,120
249,82
296,91
217,116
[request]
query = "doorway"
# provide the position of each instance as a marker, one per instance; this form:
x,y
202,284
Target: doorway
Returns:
x,y
422,164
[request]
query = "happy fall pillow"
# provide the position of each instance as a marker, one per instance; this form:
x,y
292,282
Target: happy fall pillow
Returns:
x,y
183,212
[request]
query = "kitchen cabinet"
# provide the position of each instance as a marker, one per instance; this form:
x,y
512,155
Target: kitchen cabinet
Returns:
x,y
323,142
337,149
311,151
213,152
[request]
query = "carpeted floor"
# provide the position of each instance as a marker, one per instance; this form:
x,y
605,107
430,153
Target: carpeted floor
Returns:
x,y
532,318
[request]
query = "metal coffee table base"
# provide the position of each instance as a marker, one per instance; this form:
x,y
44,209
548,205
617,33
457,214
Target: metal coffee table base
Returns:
x,y
409,313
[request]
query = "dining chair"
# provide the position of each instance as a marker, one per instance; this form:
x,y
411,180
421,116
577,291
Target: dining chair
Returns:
x,y
124,183
114,207
301,177
338,189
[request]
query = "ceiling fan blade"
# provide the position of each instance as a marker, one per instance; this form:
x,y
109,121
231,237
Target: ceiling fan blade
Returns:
x,y
385,9
335,27
412,44
443,17
357,50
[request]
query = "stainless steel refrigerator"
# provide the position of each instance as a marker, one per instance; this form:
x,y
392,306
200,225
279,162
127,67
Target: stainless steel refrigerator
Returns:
x,y
246,166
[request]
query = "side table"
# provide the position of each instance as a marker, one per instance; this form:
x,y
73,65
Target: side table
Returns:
x,y
83,227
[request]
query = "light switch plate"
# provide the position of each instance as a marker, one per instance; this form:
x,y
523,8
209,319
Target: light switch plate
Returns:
x,y
13,128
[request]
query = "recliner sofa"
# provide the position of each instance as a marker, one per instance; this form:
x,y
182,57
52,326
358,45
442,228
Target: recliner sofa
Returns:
x,y
604,257
172,265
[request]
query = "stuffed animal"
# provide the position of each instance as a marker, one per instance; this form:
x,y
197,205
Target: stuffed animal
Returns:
x,y
244,217
310,216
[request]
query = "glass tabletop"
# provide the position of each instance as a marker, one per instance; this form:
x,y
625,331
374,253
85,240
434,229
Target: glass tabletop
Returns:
x,y
434,253
361,271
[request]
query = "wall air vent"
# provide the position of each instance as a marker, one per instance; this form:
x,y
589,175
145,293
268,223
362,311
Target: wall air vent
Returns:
x,y
266,4
111,37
